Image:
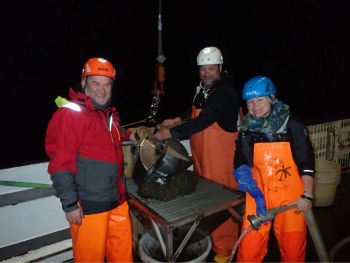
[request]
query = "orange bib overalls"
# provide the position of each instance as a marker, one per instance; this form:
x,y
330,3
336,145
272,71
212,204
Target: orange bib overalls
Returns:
x,y
277,176
106,235
212,151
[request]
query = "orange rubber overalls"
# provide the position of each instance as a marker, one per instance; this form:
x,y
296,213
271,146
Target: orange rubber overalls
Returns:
x,y
277,176
93,240
212,151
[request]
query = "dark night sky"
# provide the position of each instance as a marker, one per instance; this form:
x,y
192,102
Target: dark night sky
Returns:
x,y
303,45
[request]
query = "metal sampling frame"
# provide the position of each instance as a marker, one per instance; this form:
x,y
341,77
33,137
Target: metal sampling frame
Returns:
x,y
207,199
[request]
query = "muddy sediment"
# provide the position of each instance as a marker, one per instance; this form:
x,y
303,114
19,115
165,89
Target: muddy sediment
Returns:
x,y
165,187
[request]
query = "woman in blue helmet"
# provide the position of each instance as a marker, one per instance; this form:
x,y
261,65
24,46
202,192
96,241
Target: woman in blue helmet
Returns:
x,y
275,166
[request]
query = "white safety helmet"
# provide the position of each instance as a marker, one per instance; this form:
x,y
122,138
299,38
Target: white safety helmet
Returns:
x,y
209,56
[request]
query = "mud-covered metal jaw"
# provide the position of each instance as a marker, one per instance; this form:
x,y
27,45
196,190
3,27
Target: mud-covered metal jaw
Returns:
x,y
166,157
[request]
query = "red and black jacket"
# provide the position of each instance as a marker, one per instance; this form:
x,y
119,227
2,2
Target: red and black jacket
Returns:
x,y
86,157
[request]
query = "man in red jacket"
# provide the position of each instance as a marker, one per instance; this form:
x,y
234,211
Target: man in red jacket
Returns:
x,y
83,142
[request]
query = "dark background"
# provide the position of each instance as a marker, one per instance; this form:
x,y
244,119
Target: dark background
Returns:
x,y
303,45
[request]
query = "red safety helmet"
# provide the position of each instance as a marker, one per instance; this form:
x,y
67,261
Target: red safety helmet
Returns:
x,y
98,66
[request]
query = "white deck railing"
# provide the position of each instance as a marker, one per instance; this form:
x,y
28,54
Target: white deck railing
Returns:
x,y
331,141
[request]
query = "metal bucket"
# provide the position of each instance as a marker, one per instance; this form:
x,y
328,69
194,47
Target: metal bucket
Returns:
x,y
197,251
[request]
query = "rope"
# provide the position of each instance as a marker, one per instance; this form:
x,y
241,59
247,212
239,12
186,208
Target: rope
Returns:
x,y
26,184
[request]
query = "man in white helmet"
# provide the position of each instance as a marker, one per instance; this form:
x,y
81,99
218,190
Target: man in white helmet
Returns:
x,y
211,123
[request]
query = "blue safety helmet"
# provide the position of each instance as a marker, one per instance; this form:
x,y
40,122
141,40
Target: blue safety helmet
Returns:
x,y
259,86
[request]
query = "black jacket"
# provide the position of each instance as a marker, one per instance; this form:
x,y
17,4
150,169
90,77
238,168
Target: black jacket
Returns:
x,y
295,134
220,106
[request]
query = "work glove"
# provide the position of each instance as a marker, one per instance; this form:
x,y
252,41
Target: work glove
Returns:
x,y
247,183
